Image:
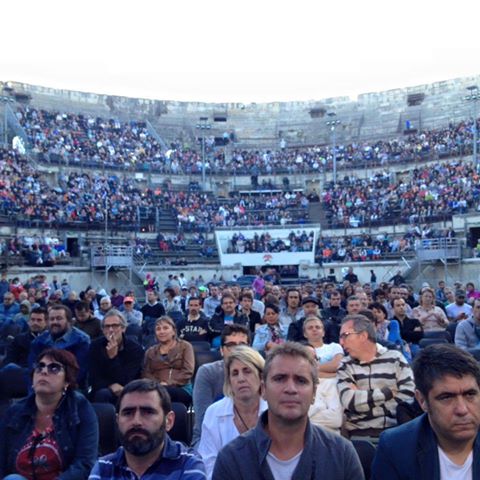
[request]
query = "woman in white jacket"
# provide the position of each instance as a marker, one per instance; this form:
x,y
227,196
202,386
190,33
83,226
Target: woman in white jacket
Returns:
x,y
326,410
239,410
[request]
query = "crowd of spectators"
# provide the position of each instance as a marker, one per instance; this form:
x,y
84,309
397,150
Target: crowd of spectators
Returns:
x,y
83,198
116,338
365,247
88,140
201,211
426,193
439,190
294,242
36,250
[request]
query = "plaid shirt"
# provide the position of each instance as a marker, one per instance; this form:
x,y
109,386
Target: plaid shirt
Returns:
x,y
175,463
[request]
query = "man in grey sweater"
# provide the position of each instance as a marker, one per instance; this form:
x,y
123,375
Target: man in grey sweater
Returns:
x,y
284,444
208,385
467,334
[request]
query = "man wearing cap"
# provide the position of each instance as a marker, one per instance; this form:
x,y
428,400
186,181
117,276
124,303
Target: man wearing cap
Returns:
x,y
134,317
311,307
459,310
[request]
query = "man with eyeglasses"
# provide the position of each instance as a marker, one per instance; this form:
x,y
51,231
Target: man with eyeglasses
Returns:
x,y
208,385
114,359
371,379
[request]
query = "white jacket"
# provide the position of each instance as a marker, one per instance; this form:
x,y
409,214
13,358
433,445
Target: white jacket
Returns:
x,y
218,429
327,411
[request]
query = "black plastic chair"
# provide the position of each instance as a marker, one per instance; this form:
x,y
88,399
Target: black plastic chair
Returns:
x,y
200,346
426,342
107,428
439,334
181,430
475,352
366,453
135,332
451,329
176,316
203,357
13,383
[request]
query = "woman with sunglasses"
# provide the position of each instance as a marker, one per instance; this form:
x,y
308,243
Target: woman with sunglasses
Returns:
x,y
53,433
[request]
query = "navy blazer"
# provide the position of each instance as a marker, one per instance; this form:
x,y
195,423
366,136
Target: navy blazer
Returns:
x,y
410,452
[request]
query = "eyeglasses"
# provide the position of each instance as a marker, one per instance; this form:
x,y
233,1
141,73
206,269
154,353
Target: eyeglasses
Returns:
x,y
112,326
345,335
233,344
52,368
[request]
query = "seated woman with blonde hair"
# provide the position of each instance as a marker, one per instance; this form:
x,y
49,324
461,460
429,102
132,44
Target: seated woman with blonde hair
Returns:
x,y
239,410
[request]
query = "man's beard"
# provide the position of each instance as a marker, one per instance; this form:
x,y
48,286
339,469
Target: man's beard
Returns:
x,y
57,333
141,446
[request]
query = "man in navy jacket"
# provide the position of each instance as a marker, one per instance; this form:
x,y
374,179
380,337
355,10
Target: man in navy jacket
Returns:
x,y
443,443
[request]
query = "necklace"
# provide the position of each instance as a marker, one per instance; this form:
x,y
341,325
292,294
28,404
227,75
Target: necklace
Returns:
x,y
241,419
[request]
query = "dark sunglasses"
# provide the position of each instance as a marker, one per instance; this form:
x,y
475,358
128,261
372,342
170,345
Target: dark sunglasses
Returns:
x,y
53,368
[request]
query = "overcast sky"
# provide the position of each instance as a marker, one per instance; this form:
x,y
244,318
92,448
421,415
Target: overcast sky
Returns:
x,y
248,51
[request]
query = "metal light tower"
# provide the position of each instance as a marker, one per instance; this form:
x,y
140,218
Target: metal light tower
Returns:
x,y
202,126
333,124
5,100
473,97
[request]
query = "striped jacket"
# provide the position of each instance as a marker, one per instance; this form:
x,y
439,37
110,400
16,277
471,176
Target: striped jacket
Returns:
x,y
380,386
175,463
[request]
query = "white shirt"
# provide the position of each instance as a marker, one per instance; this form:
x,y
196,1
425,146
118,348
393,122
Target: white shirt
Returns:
x,y
453,310
452,471
327,411
283,469
218,429
328,351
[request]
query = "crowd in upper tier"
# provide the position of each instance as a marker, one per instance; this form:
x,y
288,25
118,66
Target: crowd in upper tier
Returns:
x,y
442,189
439,189
87,140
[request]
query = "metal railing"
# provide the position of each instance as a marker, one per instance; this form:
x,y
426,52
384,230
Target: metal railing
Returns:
x,y
111,256
438,249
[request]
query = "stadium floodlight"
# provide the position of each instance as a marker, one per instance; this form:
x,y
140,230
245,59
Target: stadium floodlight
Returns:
x,y
5,100
202,126
332,124
472,98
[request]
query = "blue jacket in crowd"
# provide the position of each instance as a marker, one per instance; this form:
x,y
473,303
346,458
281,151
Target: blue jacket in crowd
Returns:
x,y
76,433
74,340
